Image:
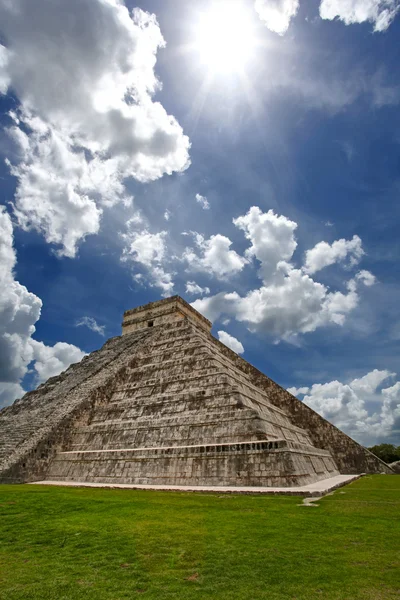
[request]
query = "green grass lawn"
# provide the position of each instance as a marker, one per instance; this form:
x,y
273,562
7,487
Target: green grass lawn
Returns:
x,y
71,543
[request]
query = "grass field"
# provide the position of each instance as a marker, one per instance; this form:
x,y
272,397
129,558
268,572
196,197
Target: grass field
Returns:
x,y
71,543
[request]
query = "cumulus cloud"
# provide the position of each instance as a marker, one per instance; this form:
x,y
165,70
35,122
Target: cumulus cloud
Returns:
x,y
149,250
297,391
91,324
54,192
379,12
290,302
212,307
52,360
324,254
366,277
214,256
83,71
295,305
4,77
271,236
19,311
10,392
193,288
364,408
146,247
230,341
202,200
369,383
277,13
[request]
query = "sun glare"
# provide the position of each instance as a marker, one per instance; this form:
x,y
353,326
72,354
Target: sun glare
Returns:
x,y
225,36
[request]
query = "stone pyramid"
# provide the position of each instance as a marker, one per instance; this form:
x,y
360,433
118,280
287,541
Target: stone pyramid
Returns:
x,y
168,404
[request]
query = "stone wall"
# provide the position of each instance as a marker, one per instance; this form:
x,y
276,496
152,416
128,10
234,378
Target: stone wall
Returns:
x,y
350,457
243,464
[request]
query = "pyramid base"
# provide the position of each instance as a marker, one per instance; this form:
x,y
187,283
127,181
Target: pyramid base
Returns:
x,y
277,463
320,488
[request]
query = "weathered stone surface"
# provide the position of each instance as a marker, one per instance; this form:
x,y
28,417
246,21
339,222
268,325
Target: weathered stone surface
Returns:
x,y
34,427
395,466
167,404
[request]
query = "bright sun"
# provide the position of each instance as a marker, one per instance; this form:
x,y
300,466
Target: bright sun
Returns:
x,y
225,36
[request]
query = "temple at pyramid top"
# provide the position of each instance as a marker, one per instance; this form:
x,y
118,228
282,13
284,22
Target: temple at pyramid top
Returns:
x,y
167,404
162,312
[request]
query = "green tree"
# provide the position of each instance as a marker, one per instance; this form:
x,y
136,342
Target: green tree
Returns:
x,y
387,452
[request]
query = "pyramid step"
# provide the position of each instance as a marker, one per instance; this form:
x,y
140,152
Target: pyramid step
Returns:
x,y
205,429
127,393
160,354
144,439
145,376
150,406
170,367
203,415
177,383
233,446
173,402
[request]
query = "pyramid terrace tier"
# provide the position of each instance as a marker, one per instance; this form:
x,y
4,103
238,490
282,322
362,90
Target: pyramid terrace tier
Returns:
x,y
205,417
268,463
164,312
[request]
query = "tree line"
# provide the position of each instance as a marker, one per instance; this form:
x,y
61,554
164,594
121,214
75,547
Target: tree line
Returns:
x,y
386,452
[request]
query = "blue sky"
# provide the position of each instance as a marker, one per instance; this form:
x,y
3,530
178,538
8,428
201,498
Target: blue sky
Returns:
x,y
244,155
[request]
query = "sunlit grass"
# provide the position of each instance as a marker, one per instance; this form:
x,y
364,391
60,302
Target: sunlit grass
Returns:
x,y
69,543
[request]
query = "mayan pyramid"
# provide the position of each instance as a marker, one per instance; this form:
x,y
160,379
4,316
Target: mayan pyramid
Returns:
x,y
168,404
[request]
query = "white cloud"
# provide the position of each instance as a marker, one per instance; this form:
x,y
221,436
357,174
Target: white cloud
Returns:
x,y
149,250
324,254
231,342
379,12
277,13
91,324
83,71
4,77
362,408
193,288
10,392
298,391
215,256
366,277
167,215
390,414
289,302
52,195
271,236
163,279
370,382
52,360
212,307
19,311
285,309
202,200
